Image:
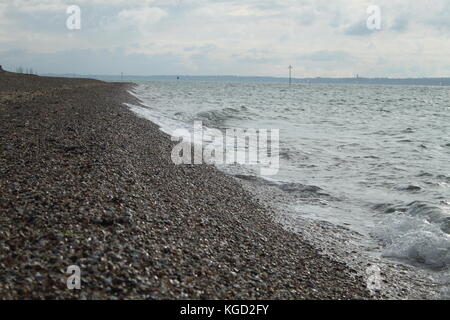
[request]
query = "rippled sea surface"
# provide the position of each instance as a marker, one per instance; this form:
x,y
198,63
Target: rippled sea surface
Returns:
x,y
375,159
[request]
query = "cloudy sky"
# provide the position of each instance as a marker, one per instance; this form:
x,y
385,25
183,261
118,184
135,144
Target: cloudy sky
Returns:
x,y
228,37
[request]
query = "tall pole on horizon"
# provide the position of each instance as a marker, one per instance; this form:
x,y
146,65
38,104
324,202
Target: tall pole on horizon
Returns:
x,y
290,74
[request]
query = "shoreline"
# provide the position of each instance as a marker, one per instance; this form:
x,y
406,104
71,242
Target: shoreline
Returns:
x,y
360,251
88,183
398,280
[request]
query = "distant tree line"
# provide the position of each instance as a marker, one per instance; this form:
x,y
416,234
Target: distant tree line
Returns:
x,y
25,70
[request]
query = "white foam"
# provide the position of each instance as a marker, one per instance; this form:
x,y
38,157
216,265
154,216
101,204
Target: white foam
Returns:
x,y
414,239
166,124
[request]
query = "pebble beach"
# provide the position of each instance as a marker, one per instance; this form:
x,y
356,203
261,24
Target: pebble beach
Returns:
x,y
86,182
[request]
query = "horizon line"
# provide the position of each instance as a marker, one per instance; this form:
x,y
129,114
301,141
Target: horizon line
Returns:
x,y
243,76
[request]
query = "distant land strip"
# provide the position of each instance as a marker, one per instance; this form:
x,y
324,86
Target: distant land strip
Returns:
x,y
317,80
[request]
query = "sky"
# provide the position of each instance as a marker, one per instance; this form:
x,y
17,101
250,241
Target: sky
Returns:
x,y
319,38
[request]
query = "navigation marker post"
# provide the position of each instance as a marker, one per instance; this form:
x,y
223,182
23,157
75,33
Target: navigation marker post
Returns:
x,y
290,74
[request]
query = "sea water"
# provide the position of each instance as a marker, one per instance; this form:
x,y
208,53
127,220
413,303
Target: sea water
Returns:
x,y
372,158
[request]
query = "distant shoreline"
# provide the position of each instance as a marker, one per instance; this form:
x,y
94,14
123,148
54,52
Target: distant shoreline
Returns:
x,y
318,80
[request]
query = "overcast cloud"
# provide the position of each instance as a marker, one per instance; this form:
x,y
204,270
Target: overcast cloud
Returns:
x,y
234,37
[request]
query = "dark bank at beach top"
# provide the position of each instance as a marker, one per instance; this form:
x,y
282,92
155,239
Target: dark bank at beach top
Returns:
x,y
85,182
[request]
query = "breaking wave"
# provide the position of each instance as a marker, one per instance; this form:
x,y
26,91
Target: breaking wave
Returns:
x,y
418,232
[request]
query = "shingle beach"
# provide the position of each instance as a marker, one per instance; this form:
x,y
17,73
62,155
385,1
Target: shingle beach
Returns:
x,y
86,182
